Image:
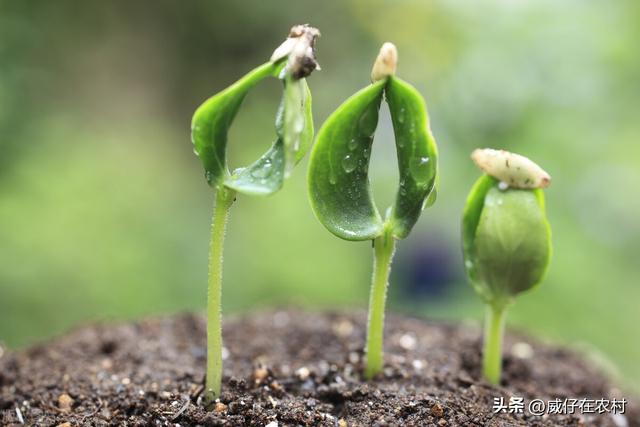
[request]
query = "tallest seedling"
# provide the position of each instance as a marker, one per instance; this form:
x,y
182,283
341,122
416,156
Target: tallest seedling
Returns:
x,y
291,62
339,187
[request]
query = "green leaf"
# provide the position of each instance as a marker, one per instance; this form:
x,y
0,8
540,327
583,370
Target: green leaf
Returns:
x,y
294,133
471,217
417,155
506,240
298,121
339,187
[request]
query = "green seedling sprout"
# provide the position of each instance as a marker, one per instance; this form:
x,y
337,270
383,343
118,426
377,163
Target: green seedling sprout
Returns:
x,y
291,62
506,240
338,179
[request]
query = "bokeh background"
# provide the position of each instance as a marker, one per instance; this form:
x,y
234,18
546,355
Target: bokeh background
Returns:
x,y
104,211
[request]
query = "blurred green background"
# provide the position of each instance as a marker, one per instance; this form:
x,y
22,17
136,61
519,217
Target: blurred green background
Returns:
x,y
104,211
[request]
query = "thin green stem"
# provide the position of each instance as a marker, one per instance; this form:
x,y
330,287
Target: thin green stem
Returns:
x,y
224,200
383,249
493,332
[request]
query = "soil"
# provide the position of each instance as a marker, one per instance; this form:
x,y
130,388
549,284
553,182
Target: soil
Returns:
x,y
291,368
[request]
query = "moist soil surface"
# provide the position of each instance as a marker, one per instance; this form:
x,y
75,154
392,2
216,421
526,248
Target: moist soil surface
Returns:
x,y
292,368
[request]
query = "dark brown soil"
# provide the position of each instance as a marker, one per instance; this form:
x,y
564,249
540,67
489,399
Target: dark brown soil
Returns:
x,y
290,368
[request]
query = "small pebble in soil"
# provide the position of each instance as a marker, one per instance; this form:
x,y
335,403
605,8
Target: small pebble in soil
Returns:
x,y
522,350
437,410
65,402
418,364
303,373
408,341
260,374
106,363
343,328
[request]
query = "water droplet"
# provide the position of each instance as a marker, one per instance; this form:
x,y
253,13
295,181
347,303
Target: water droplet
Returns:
x,y
352,144
332,178
365,153
368,123
349,163
502,186
401,115
264,171
419,169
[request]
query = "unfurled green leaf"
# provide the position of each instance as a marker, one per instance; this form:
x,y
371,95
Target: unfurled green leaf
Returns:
x,y
417,155
339,185
338,169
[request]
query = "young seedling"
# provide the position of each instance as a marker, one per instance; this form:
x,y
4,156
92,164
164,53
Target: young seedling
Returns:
x,y
506,240
291,62
339,187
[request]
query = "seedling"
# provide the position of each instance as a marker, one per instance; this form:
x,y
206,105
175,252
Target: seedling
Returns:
x,y
339,187
291,62
506,240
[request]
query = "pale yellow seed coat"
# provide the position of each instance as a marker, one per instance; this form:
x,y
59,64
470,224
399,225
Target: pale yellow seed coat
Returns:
x,y
386,62
513,169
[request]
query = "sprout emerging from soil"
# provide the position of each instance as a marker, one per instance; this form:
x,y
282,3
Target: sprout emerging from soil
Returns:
x,y
291,62
506,240
339,187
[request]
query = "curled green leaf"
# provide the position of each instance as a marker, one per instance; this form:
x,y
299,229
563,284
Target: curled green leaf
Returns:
x,y
506,240
294,133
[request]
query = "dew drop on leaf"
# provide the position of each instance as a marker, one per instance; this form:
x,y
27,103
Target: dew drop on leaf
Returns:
x,y
368,123
352,144
349,163
264,171
332,178
401,115
419,169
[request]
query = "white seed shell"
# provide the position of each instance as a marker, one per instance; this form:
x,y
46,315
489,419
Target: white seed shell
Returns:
x,y
386,62
513,169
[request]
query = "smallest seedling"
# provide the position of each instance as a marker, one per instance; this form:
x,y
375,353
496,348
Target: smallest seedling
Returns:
x,y
506,240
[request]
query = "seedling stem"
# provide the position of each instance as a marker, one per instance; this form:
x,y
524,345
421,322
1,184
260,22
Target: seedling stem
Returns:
x,y
493,332
224,200
384,247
